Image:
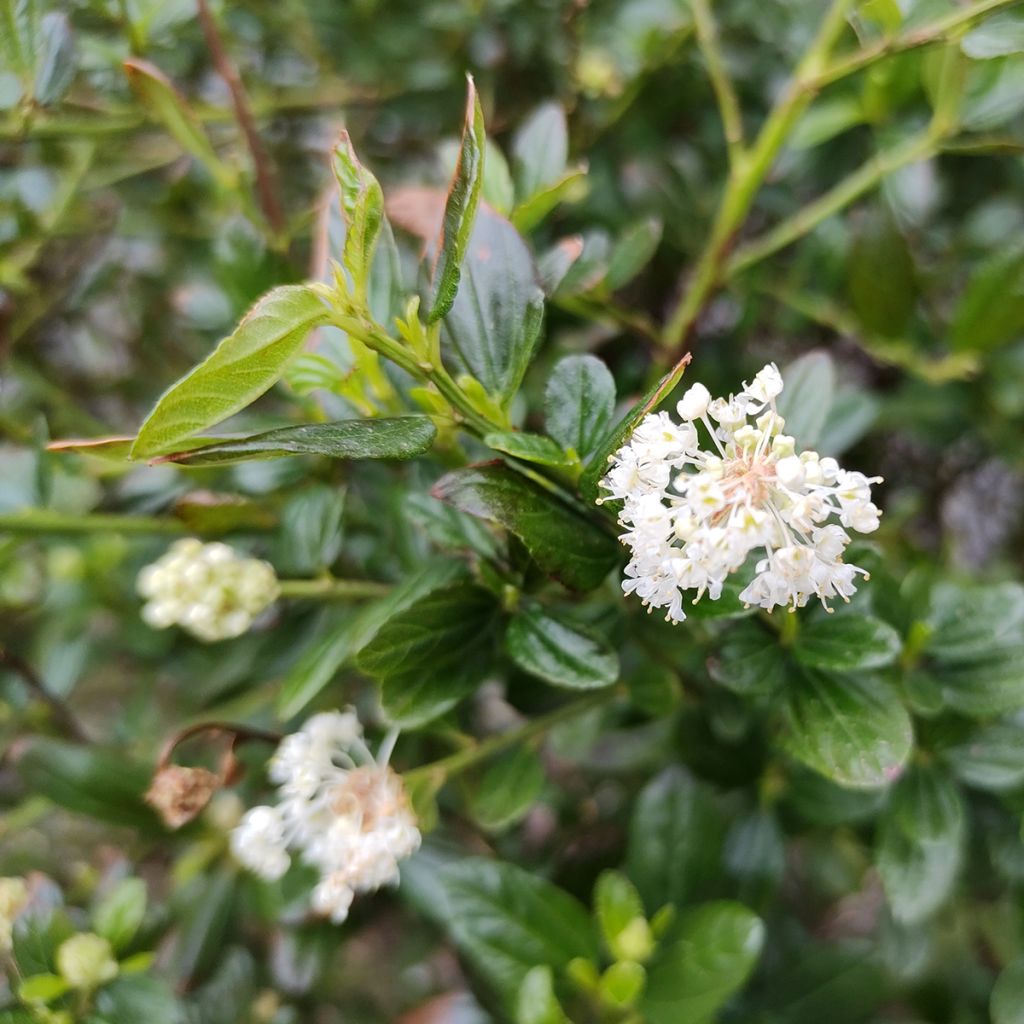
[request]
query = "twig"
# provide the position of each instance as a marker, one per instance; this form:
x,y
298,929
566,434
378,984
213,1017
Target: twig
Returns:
x,y
725,93
266,184
35,521
328,588
61,713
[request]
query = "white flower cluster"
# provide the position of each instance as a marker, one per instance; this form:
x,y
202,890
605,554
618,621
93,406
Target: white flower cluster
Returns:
x,y
693,516
345,812
207,589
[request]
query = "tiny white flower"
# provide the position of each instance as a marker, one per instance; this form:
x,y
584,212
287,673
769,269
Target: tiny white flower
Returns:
x,y
692,516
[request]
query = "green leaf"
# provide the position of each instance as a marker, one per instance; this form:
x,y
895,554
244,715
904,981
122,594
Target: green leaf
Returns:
x,y
101,783
633,250
990,312
316,668
674,839
827,119
460,208
570,188
119,912
991,758
970,621
508,789
242,367
19,34
559,653
311,530
622,983
42,988
579,402
926,804
55,60
885,302
432,655
540,151
998,36
506,921
807,396
620,914
398,437
206,913
852,728
138,998
167,106
537,1002
534,448
985,684
362,206
36,936
619,434
847,642
561,540
1007,1005
498,190
494,323
749,660
713,952
554,264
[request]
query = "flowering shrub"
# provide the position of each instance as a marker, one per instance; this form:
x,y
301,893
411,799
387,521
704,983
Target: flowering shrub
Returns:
x,y
338,467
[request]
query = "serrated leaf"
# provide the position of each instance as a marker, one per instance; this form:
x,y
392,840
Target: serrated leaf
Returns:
x,y
540,150
990,312
535,448
713,953
119,912
431,655
809,384
851,728
560,653
991,758
494,323
674,839
615,438
847,642
460,208
362,206
749,660
507,789
579,402
507,921
561,540
167,106
242,367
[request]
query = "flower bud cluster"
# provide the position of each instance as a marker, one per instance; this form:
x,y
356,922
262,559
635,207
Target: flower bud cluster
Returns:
x,y
207,589
695,515
345,813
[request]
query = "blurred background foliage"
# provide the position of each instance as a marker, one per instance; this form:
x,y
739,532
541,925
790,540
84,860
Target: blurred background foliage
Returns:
x,y
135,231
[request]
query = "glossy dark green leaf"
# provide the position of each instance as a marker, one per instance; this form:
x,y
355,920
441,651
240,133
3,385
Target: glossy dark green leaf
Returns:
x,y
1007,1005
506,921
100,783
579,403
507,789
494,323
926,803
674,839
560,539
846,642
619,434
749,660
807,396
984,684
990,312
851,728
362,207
141,997
710,956
398,437
885,302
119,912
991,758
36,936
540,150
431,655
242,367
558,652
968,621
460,209
632,251
534,448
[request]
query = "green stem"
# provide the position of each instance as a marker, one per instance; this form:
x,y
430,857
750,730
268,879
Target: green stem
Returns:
x,y
721,83
463,759
748,174
45,521
865,178
327,588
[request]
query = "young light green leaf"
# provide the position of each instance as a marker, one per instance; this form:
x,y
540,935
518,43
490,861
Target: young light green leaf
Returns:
x,y
540,150
165,105
620,915
560,653
119,912
561,540
851,728
622,983
240,369
847,642
362,205
460,208
714,950
534,448
42,988
807,396
579,402
507,921
570,188
507,789
398,437
537,1002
